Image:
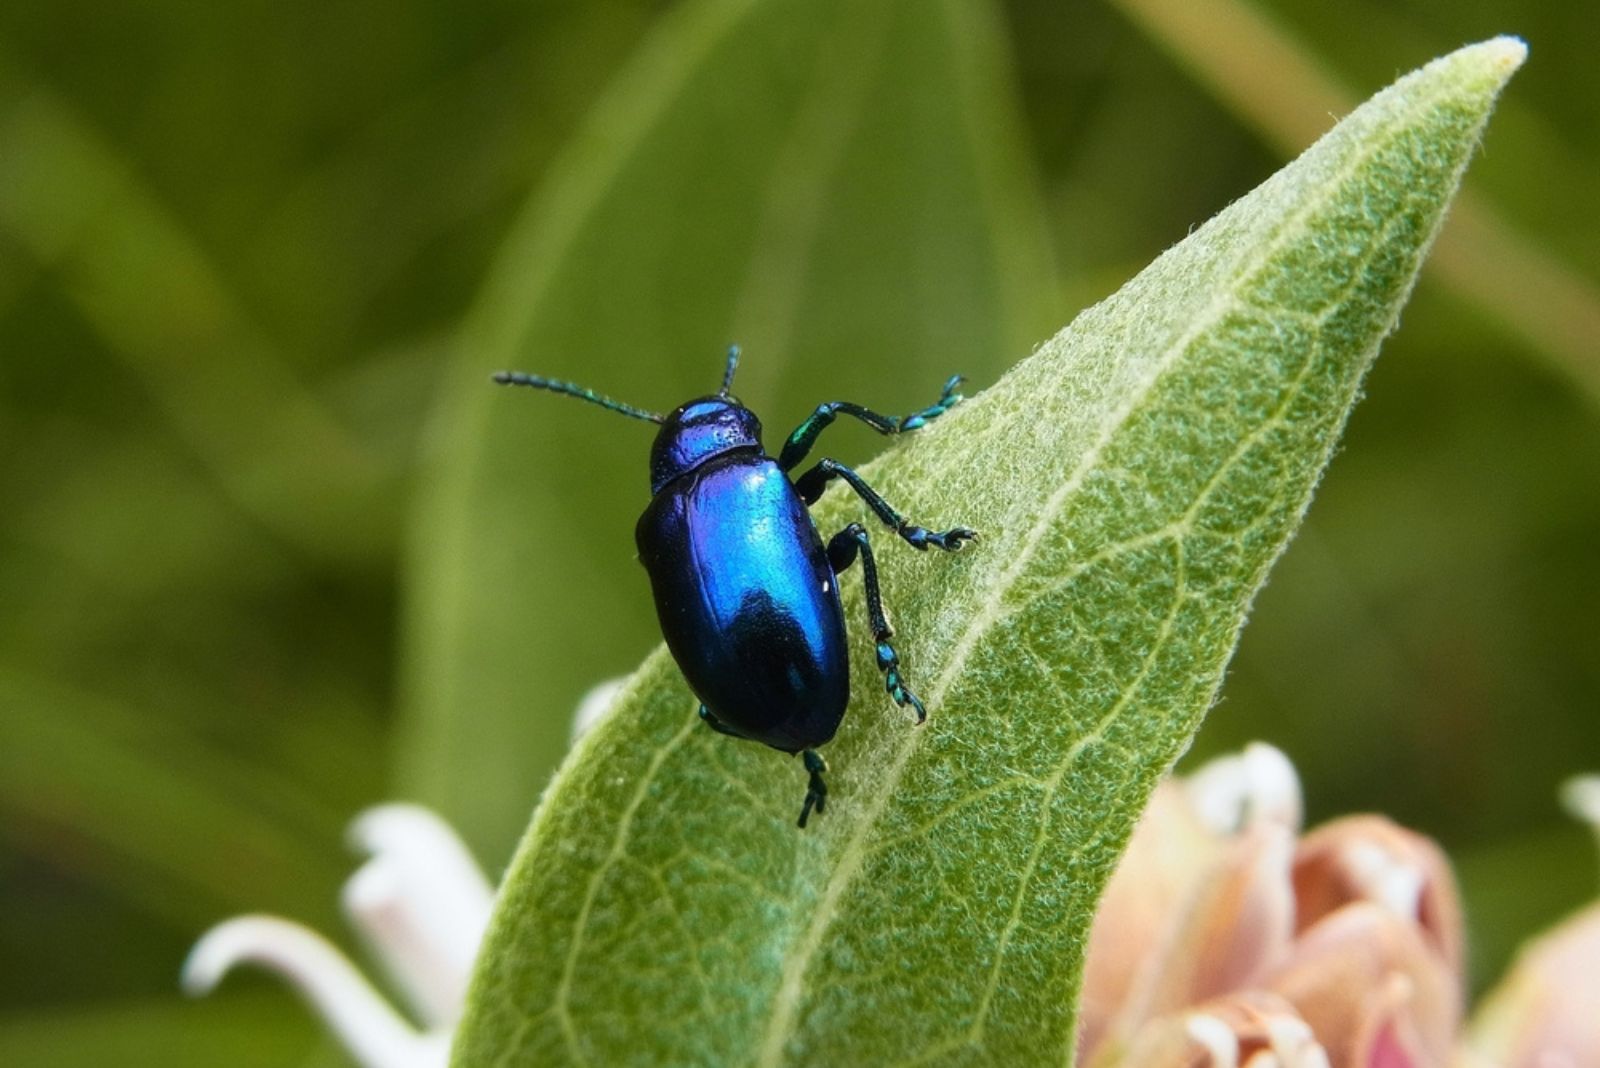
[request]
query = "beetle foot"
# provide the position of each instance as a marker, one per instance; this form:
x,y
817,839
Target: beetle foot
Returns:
x,y
915,702
955,539
893,684
948,398
952,540
902,696
816,789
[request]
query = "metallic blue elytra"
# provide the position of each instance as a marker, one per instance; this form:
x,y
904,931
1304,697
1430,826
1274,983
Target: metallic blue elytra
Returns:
x,y
746,591
748,602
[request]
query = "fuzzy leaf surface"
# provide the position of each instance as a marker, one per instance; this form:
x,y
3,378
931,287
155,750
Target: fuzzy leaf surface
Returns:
x,y
1134,480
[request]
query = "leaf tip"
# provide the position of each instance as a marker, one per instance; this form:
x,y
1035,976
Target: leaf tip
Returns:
x,y
1498,58
1505,53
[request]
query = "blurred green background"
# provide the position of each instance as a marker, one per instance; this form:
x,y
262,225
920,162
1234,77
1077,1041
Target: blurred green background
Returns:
x,y
271,549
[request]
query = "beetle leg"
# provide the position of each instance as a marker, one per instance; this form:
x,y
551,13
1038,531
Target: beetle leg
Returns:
x,y
816,789
842,552
716,724
805,435
811,484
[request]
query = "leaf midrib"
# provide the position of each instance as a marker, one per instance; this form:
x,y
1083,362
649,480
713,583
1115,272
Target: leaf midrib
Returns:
x,y
787,999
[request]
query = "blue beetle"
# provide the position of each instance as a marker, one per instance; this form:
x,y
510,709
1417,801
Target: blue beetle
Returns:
x,y
747,595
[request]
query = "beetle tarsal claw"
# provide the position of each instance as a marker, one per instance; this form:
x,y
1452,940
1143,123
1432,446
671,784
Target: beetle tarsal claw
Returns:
x,y
816,789
951,541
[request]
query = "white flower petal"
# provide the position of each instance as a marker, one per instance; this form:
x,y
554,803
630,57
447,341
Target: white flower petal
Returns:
x,y
377,904
1257,785
1392,881
368,1027
1215,1037
1294,1044
421,903
594,705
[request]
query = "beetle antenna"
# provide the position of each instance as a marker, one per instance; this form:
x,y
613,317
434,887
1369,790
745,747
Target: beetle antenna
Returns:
x,y
556,385
727,375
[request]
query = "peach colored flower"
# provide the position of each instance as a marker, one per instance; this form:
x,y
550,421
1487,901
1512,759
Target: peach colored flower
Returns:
x,y
1227,939
1223,939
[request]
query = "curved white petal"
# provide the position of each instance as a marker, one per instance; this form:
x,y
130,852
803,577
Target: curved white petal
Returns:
x,y
1390,879
594,705
368,1027
1256,785
1294,1044
1216,1038
422,904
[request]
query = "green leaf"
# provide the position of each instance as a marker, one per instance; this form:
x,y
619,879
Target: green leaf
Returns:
x,y
1134,480
834,185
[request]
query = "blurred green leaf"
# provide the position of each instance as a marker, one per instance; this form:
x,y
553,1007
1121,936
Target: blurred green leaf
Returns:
x,y
231,245
1134,480
241,1032
836,186
208,836
163,307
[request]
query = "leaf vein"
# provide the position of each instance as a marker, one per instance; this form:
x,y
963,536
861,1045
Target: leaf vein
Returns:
x,y
786,1001
1078,747
580,926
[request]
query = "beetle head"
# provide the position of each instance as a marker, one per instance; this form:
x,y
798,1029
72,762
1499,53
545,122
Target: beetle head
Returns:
x,y
697,431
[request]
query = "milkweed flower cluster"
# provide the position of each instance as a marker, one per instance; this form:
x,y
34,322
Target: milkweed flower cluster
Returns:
x,y
1227,938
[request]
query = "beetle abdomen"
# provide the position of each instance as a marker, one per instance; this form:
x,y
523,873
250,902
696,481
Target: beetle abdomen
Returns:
x,y
748,602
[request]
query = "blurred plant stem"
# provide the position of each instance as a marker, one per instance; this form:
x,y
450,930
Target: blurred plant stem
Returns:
x,y
1275,84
